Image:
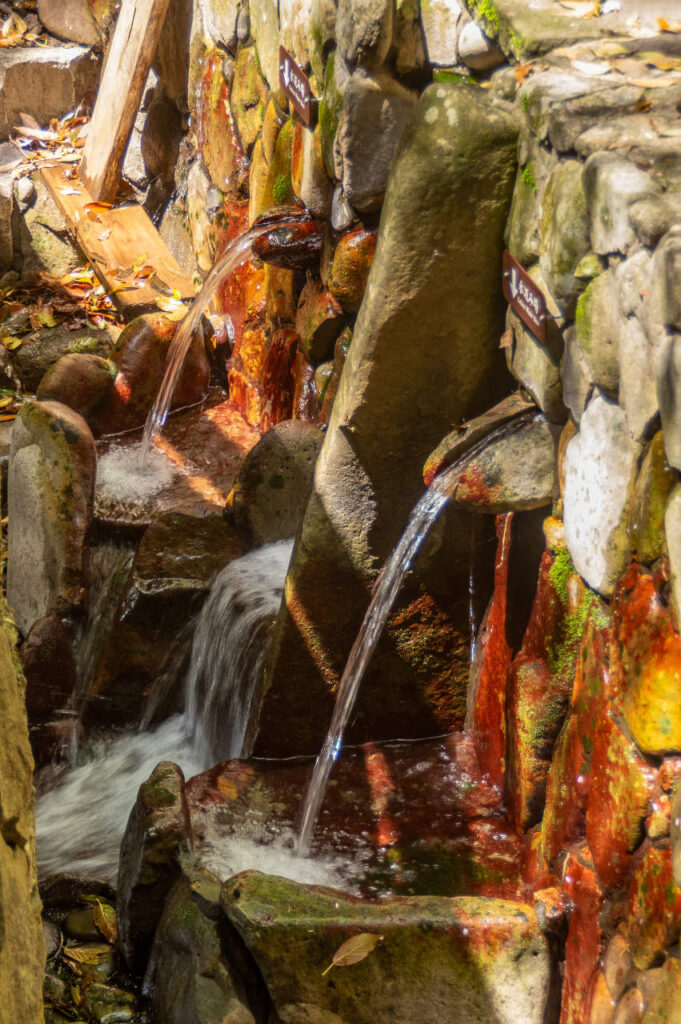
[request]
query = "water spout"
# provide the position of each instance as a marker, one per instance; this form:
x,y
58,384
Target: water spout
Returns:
x,y
286,237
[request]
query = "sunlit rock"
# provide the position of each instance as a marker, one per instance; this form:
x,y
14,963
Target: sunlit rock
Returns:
x,y
612,184
654,485
51,488
44,82
79,380
273,484
364,30
319,321
564,232
535,364
441,20
653,911
597,335
309,180
584,943
600,466
70,19
264,22
42,349
349,267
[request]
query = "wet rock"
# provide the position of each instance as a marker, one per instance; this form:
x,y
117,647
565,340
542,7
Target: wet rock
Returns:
x,y
564,232
42,239
158,825
273,485
175,231
364,30
649,648
617,804
536,365
193,979
264,22
109,1005
405,357
441,20
22,957
402,974
277,377
71,20
200,214
45,82
41,349
349,269
485,703
49,667
584,942
80,924
319,321
476,50
309,179
617,965
336,81
522,230
51,489
597,335
537,695
374,115
600,466
216,131
53,938
461,440
79,380
662,997
654,485
248,97
513,470
140,356
653,911
577,385
276,188
613,184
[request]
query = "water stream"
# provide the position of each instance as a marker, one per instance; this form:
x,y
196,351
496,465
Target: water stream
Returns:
x,y
385,592
81,821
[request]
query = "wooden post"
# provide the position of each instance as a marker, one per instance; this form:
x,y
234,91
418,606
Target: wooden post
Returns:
x,y
125,72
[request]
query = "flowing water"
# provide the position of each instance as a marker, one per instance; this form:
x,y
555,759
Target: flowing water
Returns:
x,y
385,592
80,822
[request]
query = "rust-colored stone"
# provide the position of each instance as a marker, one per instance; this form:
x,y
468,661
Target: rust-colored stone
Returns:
x,y
602,1003
277,377
305,398
618,802
350,266
489,710
653,914
650,661
319,321
216,132
585,939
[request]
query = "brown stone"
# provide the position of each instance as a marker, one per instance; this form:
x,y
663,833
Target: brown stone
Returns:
x,y
602,1003
81,381
140,356
617,965
305,398
653,914
350,266
319,321
277,377
49,667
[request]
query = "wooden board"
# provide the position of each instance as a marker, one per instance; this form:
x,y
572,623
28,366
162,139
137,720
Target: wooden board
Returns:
x,y
114,240
125,72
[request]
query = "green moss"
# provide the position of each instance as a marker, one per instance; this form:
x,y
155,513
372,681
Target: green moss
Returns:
x,y
563,654
443,75
485,9
529,178
525,102
560,572
282,187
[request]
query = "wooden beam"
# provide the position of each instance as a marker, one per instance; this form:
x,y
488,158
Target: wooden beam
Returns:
x,y
125,72
114,240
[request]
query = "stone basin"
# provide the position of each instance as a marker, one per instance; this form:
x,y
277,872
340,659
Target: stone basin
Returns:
x,y
193,464
409,818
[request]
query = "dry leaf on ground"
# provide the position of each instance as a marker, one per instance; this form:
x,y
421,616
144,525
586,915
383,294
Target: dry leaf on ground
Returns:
x,y
354,950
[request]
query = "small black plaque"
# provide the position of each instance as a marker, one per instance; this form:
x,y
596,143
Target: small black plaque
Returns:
x,y
296,85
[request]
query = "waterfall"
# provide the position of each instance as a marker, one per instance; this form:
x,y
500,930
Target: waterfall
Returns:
x,y
81,821
383,598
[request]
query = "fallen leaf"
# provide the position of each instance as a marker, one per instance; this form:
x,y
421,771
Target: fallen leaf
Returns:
x,y
90,954
522,71
592,69
506,339
28,121
661,82
95,207
12,344
4,402
104,916
581,8
5,419
354,950
661,61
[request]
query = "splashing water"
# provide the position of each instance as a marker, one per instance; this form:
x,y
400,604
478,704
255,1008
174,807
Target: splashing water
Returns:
x,y
385,592
230,644
294,238
80,823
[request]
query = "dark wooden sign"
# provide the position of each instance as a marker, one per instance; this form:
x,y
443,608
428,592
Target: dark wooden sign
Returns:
x,y
524,297
296,85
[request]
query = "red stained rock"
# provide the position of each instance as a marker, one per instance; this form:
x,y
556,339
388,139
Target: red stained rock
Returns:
x,y
649,662
489,711
602,1003
350,266
536,702
617,803
569,777
277,377
140,355
319,321
585,939
246,396
653,914
248,351
216,132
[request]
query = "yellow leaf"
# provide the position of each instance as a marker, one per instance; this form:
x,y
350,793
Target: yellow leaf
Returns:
x,y
661,61
354,950
655,83
76,995
90,954
4,402
104,916
663,24
11,343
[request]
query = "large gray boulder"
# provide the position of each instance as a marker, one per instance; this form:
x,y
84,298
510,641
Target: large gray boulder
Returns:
x,y
51,490
424,355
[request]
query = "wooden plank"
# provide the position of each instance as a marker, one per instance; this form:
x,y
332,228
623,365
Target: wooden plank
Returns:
x,y
114,240
125,72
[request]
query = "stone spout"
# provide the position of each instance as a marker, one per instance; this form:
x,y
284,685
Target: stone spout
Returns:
x,y
294,241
